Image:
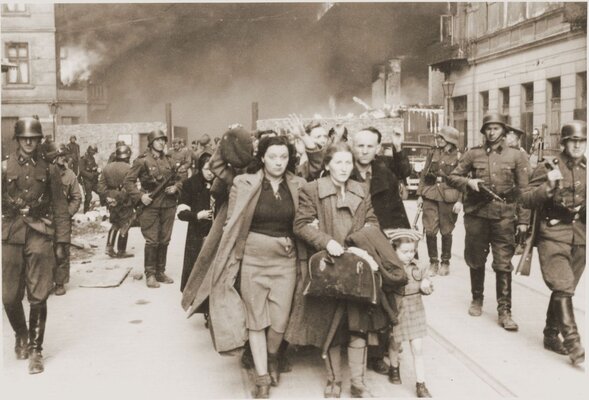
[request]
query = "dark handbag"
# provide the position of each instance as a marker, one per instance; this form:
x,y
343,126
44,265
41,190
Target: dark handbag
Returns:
x,y
346,277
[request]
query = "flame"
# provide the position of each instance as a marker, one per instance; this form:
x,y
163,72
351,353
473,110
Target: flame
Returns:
x,y
77,63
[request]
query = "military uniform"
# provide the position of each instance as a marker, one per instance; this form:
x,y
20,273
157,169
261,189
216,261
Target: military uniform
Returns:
x,y
438,202
34,215
88,178
157,219
183,158
74,152
561,240
111,185
504,170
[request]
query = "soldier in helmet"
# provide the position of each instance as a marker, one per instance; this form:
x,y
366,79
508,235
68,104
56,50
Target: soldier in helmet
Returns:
x,y
59,156
153,168
74,154
111,187
113,155
490,220
558,193
34,217
181,155
89,172
441,202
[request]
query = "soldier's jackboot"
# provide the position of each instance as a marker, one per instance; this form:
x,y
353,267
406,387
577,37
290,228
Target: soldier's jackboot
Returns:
x,y
16,316
552,341
568,328
110,242
122,247
357,364
37,320
160,274
503,287
149,264
432,251
446,255
477,288
333,363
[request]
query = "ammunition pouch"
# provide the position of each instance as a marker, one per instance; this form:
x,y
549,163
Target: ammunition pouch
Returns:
x,y
564,214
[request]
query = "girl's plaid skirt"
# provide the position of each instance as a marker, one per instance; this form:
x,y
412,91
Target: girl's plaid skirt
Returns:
x,y
412,323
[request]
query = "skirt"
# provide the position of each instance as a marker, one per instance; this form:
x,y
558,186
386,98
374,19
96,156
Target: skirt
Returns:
x,y
268,279
412,324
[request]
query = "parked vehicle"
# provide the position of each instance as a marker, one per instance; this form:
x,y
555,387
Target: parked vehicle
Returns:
x,y
417,154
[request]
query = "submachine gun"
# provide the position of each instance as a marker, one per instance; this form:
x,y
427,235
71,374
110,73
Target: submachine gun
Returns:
x,y
139,206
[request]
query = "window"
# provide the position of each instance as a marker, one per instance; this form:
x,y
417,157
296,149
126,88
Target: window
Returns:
x,y
504,102
484,104
18,54
553,104
527,107
581,97
459,118
15,8
70,120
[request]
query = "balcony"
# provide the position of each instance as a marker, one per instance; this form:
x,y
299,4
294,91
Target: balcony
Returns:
x,y
446,58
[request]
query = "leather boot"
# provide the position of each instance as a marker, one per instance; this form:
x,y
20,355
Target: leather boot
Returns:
x,y
552,341
446,254
357,363
284,365
162,255
432,251
149,265
37,320
273,370
477,287
421,390
110,242
16,317
503,287
333,364
262,390
395,375
122,247
568,328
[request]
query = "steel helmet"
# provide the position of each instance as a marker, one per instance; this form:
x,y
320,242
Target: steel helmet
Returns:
x,y
49,151
92,148
510,128
123,152
573,130
155,134
494,118
28,128
450,135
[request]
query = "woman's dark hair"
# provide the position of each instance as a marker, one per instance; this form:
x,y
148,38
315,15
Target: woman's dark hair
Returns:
x,y
202,160
257,164
312,125
331,134
265,132
336,148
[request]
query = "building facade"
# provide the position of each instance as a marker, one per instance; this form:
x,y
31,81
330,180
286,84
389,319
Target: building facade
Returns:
x,y
525,60
33,86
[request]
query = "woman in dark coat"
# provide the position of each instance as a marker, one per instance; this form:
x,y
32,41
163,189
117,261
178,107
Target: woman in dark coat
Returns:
x,y
196,195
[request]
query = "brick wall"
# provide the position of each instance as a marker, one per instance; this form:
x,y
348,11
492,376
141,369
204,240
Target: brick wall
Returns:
x,y
104,136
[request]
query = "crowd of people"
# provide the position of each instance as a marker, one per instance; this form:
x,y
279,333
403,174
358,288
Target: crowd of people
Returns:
x,y
272,214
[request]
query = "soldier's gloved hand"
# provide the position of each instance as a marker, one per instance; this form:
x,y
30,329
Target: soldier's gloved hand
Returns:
x,y
145,199
474,184
334,248
60,252
458,207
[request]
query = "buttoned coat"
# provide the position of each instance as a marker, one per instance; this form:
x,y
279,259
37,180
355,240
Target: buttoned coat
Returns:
x,y
311,317
226,310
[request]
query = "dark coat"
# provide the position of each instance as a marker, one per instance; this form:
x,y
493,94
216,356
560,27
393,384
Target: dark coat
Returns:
x,y
384,191
195,194
311,317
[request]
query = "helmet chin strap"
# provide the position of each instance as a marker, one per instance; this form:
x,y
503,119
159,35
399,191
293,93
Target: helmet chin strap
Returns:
x,y
496,140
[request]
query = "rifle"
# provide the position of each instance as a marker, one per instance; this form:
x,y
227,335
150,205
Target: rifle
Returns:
x,y
139,206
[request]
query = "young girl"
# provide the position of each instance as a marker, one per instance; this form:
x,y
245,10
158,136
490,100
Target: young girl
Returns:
x,y
412,325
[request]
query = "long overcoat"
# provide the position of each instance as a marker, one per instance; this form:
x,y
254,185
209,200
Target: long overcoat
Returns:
x,y
311,317
226,309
